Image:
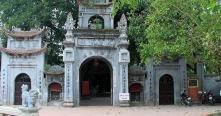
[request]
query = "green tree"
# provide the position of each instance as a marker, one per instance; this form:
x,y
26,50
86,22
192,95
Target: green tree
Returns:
x,y
52,14
136,11
170,29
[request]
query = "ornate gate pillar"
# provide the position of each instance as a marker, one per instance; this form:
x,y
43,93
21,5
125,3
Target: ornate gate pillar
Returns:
x,y
69,59
124,59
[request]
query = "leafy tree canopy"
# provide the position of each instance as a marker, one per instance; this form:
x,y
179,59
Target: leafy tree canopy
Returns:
x,y
52,14
136,11
175,28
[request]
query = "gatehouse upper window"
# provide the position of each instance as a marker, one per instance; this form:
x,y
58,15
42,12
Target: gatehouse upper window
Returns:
x,y
99,1
96,22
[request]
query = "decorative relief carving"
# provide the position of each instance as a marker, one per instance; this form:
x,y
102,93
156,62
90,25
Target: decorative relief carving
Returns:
x,y
124,79
124,56
123,25
96,42
24,45
69,25
68,81
100,10
3,84
68,55
39,79
22,60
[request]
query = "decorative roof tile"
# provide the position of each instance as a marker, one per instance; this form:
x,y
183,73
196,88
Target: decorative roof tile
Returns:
x,y
23,52
55,70
24,34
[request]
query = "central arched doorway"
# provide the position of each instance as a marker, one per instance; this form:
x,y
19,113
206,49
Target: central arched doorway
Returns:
x,y
19,81
96,82
166,90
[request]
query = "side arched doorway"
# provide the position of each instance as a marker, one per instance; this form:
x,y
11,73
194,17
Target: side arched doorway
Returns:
x,y
95,82
54,92
166,90
136,93
19,81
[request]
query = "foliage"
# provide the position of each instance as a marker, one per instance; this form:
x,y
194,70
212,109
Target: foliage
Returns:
x,y
136,11
215,114
175,28
52,14
47,67
3,39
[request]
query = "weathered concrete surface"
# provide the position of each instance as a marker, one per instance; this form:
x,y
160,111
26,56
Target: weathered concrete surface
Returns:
x,y
9,110
18,111
130,111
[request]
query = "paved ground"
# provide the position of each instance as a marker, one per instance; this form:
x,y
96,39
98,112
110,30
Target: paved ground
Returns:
x,y
130,111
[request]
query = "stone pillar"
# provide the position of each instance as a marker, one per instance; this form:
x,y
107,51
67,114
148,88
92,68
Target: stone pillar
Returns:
x,y
182,80
68,84
124,59
112,22
69,59
4,87
45,91
149,85
200,74
183,75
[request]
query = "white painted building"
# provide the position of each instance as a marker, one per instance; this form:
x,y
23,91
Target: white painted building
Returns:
x,y
22,62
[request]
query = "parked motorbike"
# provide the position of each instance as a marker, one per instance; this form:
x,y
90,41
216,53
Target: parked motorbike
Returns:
x,y
211,98
203,96
207,97
185,99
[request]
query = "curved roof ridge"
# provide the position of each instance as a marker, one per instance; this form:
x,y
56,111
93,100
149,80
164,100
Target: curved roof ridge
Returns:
x,y
24,52
24,34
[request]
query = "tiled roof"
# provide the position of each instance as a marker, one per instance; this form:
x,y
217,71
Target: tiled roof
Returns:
x,y
23,52
55,70
54,73
24,34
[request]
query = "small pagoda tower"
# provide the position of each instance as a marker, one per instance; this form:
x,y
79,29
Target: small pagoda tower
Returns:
x,y
22,62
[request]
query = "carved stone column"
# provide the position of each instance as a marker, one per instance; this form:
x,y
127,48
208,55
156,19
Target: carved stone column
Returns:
x,y
4,87
68,58
124,59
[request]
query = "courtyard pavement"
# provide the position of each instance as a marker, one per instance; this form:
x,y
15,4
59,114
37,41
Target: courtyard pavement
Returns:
x,y
167,110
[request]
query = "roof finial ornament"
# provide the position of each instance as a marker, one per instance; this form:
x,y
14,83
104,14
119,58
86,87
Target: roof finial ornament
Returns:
x,y
69,25
123,25
123,32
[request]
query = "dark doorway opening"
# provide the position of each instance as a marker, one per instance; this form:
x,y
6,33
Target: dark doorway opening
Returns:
x,y
136,92
19,81
55,91
166,90
95,86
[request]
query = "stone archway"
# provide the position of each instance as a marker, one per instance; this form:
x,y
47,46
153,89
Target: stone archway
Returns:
x,y
166,90
95,82
19,81
54,91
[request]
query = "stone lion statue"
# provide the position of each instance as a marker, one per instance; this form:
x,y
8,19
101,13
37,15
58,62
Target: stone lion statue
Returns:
x,y
30,97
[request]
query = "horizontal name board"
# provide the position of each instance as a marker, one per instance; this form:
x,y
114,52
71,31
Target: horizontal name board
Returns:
x,y
124,96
